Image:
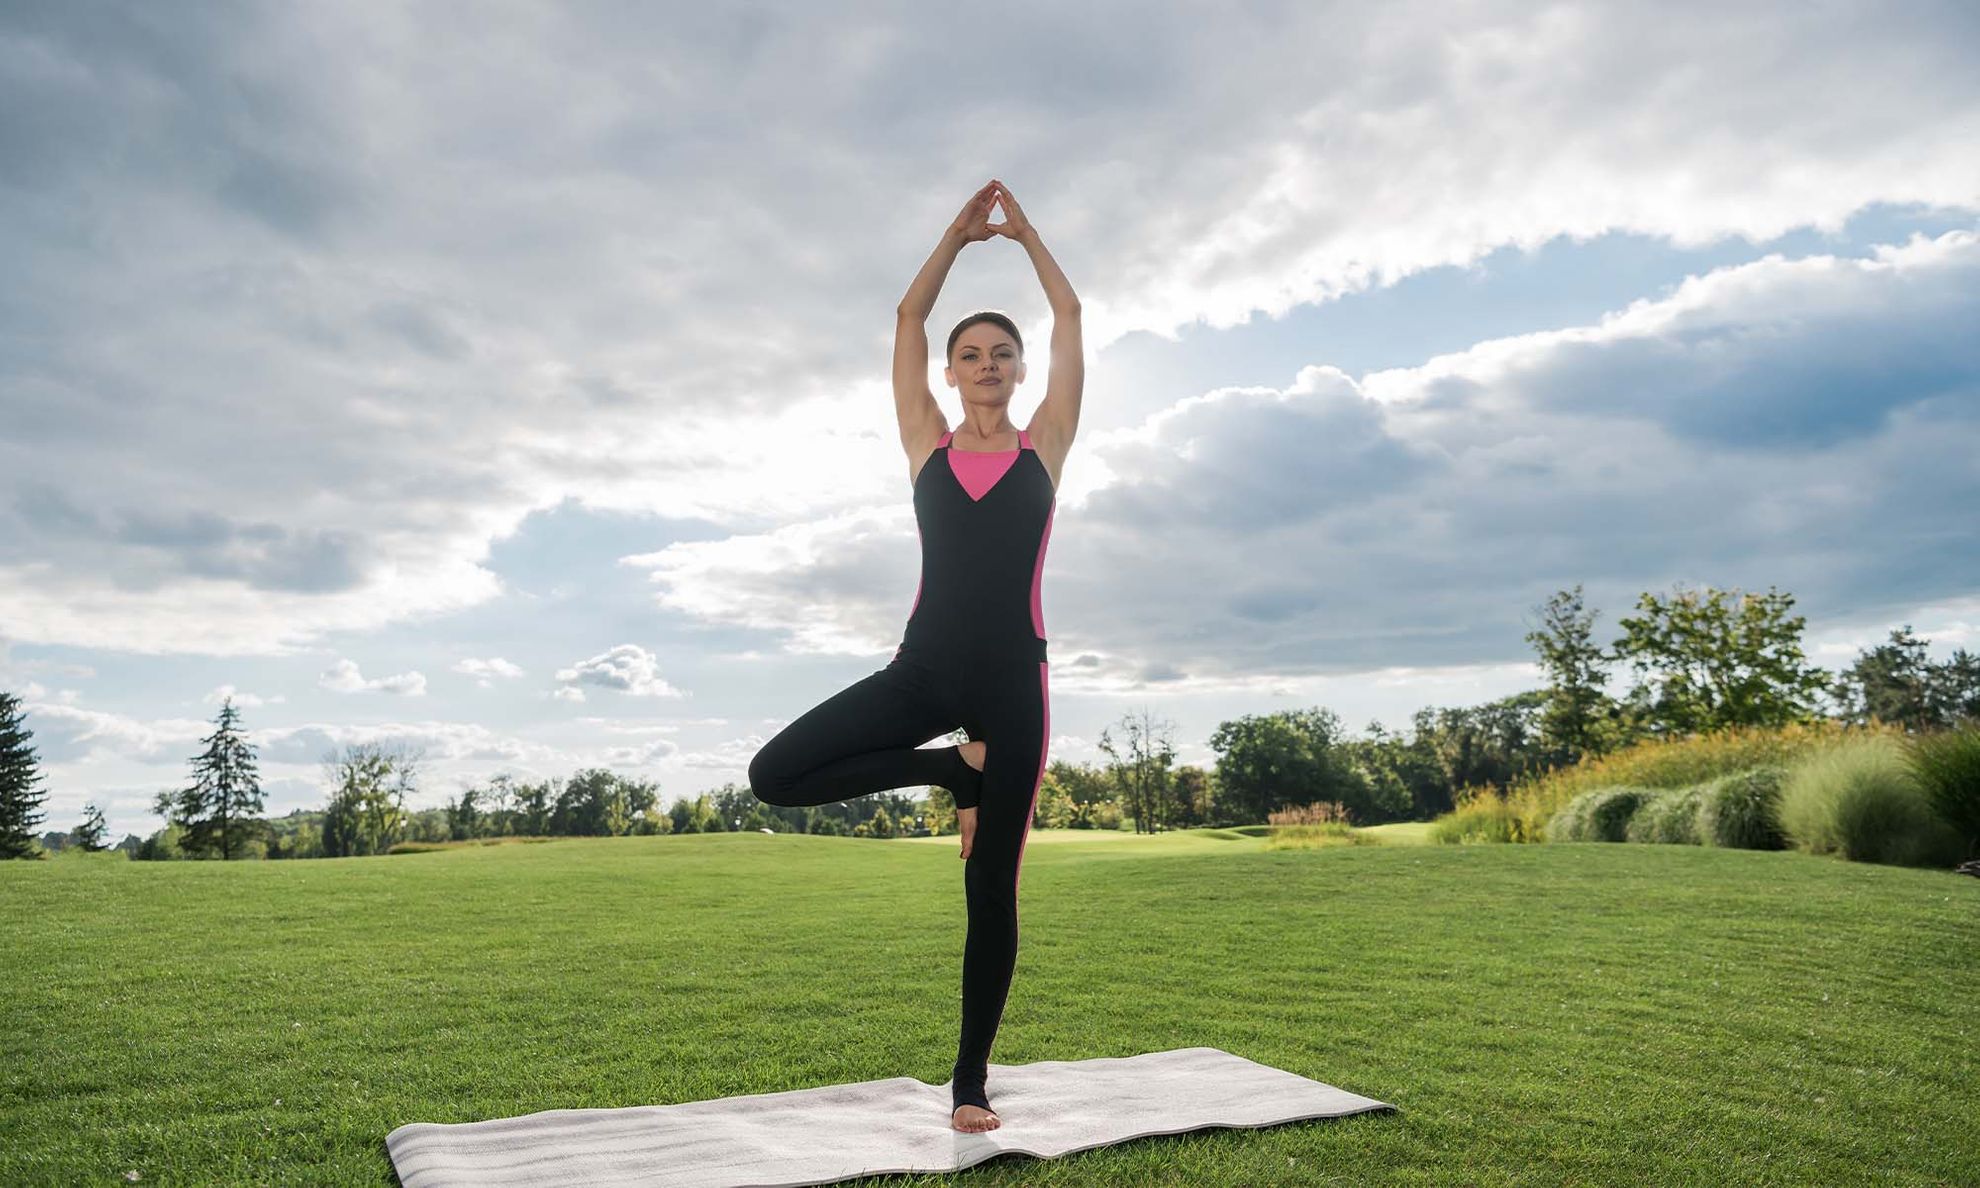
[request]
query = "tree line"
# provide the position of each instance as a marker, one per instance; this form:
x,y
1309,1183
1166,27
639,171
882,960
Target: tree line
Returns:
x,y
1701,660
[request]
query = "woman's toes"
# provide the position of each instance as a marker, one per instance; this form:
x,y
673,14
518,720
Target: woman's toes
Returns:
x,y
969,1117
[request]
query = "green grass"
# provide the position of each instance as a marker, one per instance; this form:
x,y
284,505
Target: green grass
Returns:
x,y
1592,1013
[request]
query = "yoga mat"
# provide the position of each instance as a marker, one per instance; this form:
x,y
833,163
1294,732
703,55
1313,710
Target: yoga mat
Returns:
x,y
836,1132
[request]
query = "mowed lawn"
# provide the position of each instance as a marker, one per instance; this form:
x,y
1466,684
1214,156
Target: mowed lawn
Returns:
x,y
1541,1014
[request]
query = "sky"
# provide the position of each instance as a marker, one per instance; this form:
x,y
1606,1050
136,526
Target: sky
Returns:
x,y
518,390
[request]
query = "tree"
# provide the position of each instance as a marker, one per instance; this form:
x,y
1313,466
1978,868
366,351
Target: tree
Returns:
x,y
163,845
1491,743
734,802
218,808
1267,761
1191,794
599,802
695,816
880,824
1956,688
367,811
533,808
1897,682
89,834
1087,791
1142,779
1410,771
20,803
1576,719
464,817
1719,658
501,796
1891,682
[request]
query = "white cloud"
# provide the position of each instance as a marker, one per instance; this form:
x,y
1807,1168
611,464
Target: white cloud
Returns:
x,y
484,671
242,700
316,351
1806,423
628,668
344,677
858,571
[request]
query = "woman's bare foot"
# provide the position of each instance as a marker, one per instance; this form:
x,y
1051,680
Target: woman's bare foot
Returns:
x,y
973,754
969,1117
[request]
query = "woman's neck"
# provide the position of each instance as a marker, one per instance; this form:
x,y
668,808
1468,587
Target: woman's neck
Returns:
x,y
1001,427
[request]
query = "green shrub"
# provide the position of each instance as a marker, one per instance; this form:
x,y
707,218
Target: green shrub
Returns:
x,y
1485,818
1741,809
1669,816
1862,800
1570,823
1599,814
1946,764
1313,837
418,847
1678,762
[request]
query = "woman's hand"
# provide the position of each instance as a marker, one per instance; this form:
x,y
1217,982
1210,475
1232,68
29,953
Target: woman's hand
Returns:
x,y
973,224
1015,225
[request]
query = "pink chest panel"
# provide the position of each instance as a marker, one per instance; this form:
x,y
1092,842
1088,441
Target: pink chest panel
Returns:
x,y
978,472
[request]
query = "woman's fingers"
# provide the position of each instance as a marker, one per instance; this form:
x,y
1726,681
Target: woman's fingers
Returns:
x,y
976,213
975,218
1014,220
979,201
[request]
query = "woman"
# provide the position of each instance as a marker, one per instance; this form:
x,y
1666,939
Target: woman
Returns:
x,y
973,652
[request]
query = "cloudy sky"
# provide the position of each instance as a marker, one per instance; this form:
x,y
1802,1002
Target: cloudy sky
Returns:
x,y
518,388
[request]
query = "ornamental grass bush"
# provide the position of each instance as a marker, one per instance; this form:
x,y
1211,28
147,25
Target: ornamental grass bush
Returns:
x,y
1599,814
1485,817
1670,816
1946,764
1671,763
1864,801
1741,809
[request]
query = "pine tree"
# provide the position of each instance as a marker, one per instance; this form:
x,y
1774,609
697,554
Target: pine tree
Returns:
x,y
218,809
20,804
89,834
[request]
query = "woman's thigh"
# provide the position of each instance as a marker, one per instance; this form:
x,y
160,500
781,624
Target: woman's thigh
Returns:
x,y
893,708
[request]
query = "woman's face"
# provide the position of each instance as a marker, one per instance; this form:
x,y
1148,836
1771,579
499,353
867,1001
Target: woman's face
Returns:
x,y
985,365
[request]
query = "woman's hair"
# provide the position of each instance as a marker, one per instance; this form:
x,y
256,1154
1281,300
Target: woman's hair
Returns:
x,y
984,315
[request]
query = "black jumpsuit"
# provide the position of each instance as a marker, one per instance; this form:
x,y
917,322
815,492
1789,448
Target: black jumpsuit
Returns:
x,y
972,655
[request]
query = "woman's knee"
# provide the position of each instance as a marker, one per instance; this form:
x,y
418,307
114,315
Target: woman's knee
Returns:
x,y
767,781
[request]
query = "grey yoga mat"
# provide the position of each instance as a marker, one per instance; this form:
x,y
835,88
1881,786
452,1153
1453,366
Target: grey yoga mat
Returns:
x,y
836,1132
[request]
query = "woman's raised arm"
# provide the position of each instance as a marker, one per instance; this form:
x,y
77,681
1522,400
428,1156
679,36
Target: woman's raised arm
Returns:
x,y
921,420
1056,419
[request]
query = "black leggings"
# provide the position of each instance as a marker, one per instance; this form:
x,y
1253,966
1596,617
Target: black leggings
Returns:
x,y
866,738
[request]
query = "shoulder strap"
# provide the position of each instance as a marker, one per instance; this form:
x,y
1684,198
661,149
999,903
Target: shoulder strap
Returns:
x,y
945,439
1024,440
